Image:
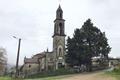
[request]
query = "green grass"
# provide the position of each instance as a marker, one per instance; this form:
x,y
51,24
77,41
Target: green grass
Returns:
x,y
9,78
115,73
5,78
51,74
49,78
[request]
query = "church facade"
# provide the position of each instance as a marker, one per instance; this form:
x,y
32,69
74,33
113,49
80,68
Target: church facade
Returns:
x,y
46,60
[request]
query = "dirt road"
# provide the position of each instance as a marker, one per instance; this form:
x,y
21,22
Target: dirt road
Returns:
x,y
89,76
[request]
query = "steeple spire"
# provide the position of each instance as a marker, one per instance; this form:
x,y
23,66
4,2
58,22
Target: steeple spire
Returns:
x,y
59,7
59,13
59,23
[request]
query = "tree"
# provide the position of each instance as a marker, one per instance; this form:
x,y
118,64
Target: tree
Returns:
x,y
3,61
87,42
75,49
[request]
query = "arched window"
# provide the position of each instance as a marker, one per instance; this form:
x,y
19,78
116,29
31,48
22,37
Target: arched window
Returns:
x,y
29,65
57,29
60,24
60,15
60,52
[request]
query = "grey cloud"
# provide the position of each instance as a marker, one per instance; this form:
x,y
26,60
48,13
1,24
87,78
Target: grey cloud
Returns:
x,y
32,20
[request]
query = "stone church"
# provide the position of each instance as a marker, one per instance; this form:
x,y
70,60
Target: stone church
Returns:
x,y
46,60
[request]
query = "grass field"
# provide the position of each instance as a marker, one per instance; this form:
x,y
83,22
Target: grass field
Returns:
x,y
115,73
5,78
48,78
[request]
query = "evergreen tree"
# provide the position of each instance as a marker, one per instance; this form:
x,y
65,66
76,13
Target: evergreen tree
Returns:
x,y
86,43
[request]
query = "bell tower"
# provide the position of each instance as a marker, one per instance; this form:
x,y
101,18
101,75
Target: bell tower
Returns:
x,y
59,39
59,23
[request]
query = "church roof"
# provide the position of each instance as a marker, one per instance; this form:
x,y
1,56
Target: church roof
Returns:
x,y
30,60
41,55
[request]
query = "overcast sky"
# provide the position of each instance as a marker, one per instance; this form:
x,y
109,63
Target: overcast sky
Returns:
x,y
32,20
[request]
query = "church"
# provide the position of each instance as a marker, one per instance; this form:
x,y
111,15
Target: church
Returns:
x,y
55,59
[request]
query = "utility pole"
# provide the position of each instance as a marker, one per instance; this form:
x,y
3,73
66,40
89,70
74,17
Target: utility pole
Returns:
x,y
17,61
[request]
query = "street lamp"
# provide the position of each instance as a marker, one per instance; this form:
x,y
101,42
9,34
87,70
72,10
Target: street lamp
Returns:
x,y
17,61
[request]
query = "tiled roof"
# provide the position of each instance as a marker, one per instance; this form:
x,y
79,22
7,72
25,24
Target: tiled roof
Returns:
x,y
31,60
39,55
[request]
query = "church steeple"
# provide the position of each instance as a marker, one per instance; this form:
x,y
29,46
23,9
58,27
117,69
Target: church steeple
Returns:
x,y
59,38
59,13
59,23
